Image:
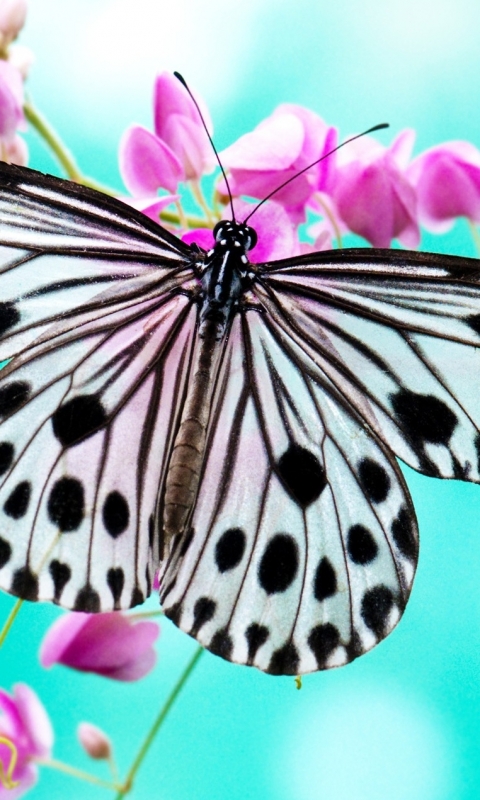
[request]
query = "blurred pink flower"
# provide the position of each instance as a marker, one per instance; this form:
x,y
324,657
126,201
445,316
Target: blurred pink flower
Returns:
x,y
179,149
12,19
151,206
447,180
373,193
277,236
111,644
24,721
279,147
12,148
94,741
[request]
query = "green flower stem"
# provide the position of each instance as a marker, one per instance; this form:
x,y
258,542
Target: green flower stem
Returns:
x,y
146,614
199,197
331,217
158,723
60,150
475,235
10,620
52,763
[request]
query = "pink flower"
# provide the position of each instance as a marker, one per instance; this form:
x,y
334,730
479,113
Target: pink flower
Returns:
x,y
447,180
179,149
11,100
94,741
110,644
373,193
277,236
151,206
24,722
12,19
279,147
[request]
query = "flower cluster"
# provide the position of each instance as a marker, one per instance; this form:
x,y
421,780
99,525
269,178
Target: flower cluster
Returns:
x,y
15,61
365,188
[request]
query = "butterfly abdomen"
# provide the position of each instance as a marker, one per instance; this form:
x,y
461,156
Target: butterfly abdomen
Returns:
x,y
188,451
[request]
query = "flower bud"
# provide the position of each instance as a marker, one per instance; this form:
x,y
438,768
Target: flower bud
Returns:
x,y
12,20
94,741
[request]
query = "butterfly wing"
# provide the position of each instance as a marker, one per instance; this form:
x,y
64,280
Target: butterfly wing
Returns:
x,y
357,355
398,333
303,543
101,342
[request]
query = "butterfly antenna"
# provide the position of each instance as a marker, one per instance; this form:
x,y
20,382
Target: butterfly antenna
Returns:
x,y
184,83
379,127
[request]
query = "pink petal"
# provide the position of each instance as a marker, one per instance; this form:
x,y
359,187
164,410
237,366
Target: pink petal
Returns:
x,y
273,145
151,207
201,236
170,97
35,720
109,644
146,163
190,144
277,236
11,100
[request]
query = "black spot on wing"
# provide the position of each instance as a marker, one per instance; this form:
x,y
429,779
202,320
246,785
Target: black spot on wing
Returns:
x,y
66,503
377,604
423,417
78,418
5,552
361,546
279,564
12,396
116,582
374,480
88,600
60,574
221,644
302,475
229,549
16,504
322,641
325,580
203,612
284,661
137,597
256,635
25,584
115,514
404,535
9,317
7,451
474,321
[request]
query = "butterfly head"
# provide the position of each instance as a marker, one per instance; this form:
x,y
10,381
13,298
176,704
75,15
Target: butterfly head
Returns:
x,y
230,234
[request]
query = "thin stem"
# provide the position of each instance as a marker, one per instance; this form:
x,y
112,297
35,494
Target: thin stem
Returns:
x,y
60,150
199,197
77,773
331,217
158,722
475,235
146,614
10,620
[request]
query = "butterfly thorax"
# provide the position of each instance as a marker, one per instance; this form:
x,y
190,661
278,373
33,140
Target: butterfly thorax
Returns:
x,y
225,271
223,281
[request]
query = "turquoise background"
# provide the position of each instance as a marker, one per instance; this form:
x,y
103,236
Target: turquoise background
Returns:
x,y
403,722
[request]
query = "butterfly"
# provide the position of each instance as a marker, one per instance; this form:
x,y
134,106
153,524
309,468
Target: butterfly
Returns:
x,y
232,425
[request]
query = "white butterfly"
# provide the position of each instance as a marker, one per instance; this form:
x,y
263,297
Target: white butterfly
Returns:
x,y
233,425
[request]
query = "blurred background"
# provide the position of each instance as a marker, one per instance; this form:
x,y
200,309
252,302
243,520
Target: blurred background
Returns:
x,y
402,722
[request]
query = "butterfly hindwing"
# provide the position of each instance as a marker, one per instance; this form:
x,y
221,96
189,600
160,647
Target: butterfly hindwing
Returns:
x,y
399,339
305,540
